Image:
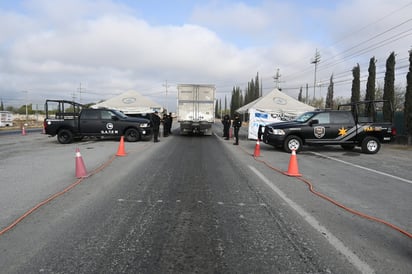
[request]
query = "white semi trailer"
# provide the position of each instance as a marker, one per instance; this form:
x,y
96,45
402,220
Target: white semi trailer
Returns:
x,y
196,108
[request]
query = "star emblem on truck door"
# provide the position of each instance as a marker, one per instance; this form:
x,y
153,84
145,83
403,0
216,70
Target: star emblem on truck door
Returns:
x,y
342,131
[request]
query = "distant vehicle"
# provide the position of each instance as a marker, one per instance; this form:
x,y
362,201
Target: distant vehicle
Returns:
x,y
6,119
362,125
196,108
72,121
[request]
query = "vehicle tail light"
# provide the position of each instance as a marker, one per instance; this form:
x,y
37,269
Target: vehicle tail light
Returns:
x,y
393,131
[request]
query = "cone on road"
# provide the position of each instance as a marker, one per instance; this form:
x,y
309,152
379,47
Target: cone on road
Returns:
x,y
293,169
80,167
23,131
257,149
120,150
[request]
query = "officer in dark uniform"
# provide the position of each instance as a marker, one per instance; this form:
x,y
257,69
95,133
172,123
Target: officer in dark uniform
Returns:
x,y
170,122
156,124
166,125
260,132
226,126
237,123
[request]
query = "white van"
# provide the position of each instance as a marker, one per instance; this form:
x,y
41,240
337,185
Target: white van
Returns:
x,y
6,119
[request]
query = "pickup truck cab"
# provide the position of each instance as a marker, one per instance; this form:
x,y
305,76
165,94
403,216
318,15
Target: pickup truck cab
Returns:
x,y
330,127
71,121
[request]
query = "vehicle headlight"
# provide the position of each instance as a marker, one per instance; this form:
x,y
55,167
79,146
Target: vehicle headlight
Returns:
x,y
144,125
277,131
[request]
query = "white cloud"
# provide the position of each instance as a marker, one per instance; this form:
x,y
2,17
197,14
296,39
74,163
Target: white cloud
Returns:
x,y
103,45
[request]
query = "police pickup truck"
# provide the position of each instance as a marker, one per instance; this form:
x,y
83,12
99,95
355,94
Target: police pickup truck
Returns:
x,y
356,124
72,121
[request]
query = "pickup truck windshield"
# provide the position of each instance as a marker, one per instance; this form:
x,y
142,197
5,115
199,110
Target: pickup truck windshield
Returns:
x,y
305,116
120,114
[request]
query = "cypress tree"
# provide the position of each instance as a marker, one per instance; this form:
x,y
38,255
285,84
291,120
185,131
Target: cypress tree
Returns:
x,y
300,98
356,84
329,96
257,86
236,100
408,101
370,85
389,88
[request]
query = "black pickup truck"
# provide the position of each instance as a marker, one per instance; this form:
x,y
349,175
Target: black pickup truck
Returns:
x,y
356,124
72,121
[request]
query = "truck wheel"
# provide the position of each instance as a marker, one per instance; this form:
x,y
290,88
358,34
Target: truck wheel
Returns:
x,y
132,135
65,136
370,145
292,142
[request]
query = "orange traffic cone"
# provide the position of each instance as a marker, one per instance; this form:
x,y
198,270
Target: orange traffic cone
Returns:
x,y
257,149
23,131
120,150
80,167
293,169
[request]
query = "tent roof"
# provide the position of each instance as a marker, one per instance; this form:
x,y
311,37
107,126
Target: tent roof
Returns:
x,y
130,102
276,101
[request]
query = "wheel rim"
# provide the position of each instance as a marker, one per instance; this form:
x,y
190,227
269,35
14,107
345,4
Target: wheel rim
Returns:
x,y
372,145
294,144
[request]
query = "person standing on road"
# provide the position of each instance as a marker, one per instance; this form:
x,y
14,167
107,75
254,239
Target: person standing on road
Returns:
x,y
226,126
166,125
156,124
237,123
170,122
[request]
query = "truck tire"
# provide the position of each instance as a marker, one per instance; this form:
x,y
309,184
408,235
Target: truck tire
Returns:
x,y
292,142
132,135
370,145
65,136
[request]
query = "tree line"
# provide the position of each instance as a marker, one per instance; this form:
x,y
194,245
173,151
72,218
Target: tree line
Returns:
x,y
394,100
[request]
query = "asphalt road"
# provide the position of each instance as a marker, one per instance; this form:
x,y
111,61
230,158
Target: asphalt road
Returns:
x,y
192,204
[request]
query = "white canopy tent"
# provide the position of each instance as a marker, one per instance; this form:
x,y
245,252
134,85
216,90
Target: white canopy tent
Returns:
x,y
130,102
275,106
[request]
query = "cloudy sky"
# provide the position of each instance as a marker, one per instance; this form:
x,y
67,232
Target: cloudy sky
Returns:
x,y
91,50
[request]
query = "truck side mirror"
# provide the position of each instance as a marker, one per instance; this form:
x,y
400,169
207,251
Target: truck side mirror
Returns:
x,y
314,122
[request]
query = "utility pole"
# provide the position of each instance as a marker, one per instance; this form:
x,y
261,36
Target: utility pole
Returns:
x,y
27,113
277,78
315,61
167,104
80,93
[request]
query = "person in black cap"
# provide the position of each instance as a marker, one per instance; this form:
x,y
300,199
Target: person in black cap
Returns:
x,y
156,124
170,122
237,123
226,126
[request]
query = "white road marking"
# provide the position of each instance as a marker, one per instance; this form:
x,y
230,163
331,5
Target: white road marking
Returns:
x,y
335,242
365,168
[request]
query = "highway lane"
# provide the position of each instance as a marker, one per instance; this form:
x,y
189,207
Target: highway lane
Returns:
x,y
192,204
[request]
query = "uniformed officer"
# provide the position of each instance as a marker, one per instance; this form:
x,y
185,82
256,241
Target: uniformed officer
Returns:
x,y
156,124
237,123
226,126
170,122
167,124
